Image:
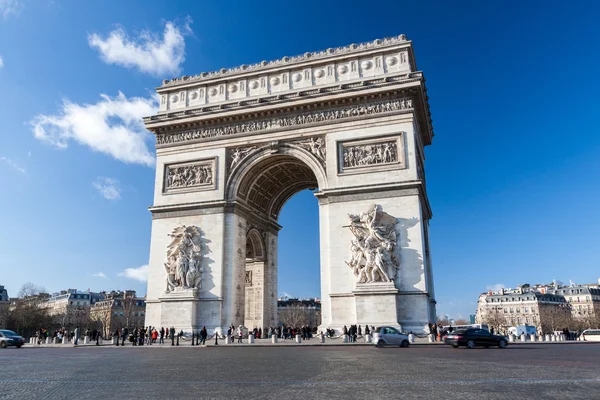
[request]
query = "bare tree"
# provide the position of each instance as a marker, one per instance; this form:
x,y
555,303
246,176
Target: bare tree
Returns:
x,y
495,318
294,316
555,317
25,314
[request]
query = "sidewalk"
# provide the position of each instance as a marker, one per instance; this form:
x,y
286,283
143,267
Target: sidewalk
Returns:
x,y
314,342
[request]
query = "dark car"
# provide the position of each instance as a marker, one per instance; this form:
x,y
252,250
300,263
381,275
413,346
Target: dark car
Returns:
x,y
475,337
10,338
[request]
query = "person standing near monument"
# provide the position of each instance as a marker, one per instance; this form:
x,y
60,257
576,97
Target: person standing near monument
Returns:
x,y
240,333
162,335
172,334
203,335
76,336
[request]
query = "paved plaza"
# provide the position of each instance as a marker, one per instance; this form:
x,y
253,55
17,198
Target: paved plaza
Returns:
x,y
553,371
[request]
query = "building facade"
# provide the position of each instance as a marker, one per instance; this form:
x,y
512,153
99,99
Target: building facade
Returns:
x,y
299,312
117,310
68,308
548,307
4,306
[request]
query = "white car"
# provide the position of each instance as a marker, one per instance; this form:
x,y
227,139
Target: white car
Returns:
x,y
389,336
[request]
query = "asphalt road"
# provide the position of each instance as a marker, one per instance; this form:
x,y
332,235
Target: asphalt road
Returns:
x,y
559,371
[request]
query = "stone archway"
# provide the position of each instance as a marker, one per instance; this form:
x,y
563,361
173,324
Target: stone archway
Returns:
x,y
234,145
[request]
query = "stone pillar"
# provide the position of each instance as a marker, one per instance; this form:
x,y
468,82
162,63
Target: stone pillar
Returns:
x,y
547,338
250,338
55,340
532,337
411,338
430,338
511,338
369,339
86,340
65,340
48,340
345,338
298,339
523,338
273,338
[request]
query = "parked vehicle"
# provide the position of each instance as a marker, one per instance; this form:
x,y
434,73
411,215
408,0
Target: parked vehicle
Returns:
x,y
10,338
389,336
522,329
473,337
591,335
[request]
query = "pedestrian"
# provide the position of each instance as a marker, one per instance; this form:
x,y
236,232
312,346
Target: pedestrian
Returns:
x,y
76,335
162,335
240,332
359,331
124,334
203,335
116,335
172,334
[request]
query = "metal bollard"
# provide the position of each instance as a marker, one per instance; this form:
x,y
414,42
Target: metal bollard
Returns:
x,y
55,340
322,337
532,337
523,338
511,338
368,339
298,339
411,338
273,338
430,337
47,340
547,338
250,338
345,339
65,340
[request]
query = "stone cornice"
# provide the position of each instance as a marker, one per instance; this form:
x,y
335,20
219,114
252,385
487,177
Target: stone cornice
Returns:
x,y
314,117
288,61
410,79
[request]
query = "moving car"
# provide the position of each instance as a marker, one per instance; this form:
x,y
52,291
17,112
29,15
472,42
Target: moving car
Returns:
x,y
389,336
591,335
475,337
10,338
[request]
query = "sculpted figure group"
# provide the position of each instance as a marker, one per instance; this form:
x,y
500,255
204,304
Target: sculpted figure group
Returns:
x,y
373,247
184,259
191,175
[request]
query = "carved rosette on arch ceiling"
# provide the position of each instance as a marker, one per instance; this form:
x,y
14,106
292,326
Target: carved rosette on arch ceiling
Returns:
x,y
373,248
184,259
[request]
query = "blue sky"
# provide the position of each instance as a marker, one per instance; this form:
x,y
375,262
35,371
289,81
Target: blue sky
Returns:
x,y
513,173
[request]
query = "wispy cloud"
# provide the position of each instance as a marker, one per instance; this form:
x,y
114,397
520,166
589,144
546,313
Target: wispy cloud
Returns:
x,y
147,52
496,287
8,7
13,164
139,274
1,60
112,126
108,188
99,275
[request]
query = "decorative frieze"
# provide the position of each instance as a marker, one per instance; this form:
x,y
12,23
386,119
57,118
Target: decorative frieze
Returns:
x,y
189,176
288,121
371,153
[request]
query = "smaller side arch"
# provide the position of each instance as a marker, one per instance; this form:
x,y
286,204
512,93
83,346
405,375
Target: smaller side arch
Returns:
x,y
255,246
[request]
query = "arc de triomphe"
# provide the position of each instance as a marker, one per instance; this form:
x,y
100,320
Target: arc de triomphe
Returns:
x,y
234,145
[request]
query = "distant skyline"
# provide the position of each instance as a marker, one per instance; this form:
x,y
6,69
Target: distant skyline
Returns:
x,y
512,174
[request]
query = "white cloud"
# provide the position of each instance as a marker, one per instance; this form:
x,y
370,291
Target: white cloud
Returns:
x,y
148,52
13,165
139,274
8,7
1,60
496,287
108,188
99,275
112,126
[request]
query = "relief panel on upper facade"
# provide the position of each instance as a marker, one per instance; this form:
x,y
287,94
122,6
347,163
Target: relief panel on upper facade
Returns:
x,y
371,154
190,176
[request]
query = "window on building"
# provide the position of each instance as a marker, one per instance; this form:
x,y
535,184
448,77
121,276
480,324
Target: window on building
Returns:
x,y
526,310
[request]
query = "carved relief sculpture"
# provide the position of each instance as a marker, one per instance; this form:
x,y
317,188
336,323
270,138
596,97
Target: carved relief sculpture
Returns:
x,y
184,259
373,248
312,117
316,146
248,278
185,176
370,154
238,154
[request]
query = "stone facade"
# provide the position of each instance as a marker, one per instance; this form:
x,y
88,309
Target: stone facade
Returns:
x,y
4,306
117,310
234,145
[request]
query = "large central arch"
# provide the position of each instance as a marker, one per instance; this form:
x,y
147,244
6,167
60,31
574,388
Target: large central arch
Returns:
x,y
234,145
